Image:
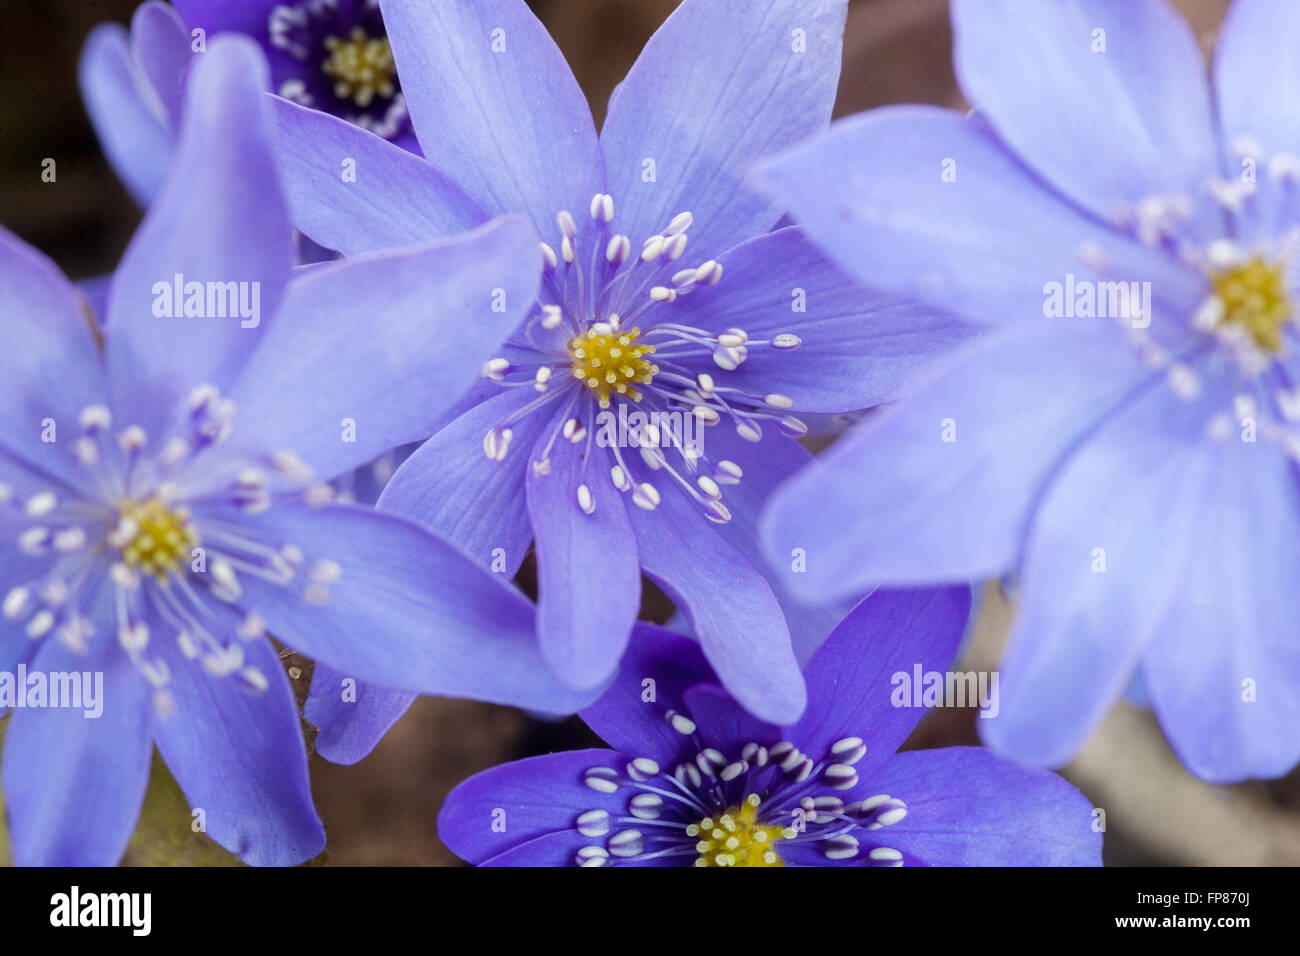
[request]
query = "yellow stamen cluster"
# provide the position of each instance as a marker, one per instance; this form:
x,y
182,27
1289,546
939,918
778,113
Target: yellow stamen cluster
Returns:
x,y
1254,297
612,363
360,66
160,537
736,838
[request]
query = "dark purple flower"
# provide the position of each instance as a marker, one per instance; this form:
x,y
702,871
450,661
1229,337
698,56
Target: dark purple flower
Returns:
x,y
330,55
652,238
693,779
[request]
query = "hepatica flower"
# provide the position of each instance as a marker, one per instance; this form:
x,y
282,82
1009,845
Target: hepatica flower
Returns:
x,y
165,506
664,291
330,55
691,779
1125,439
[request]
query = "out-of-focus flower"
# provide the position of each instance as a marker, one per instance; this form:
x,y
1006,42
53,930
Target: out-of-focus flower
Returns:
x,y
692,779
646,407
330,55
163,497
1125,440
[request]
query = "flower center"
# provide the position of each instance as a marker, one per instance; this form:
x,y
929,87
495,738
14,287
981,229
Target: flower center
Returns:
x,y
155,538
736,838
607,361
1254,298
360,66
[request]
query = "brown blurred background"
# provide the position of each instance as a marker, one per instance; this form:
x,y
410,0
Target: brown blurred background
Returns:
x,y
382,811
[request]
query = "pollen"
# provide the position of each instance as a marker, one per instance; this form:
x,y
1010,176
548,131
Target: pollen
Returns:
x,y
360,66
736,838
612,363
1254,297
154,538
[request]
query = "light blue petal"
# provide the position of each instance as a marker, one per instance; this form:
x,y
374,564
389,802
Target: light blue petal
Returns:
x,y
939,486
240,758
588,579
1107,100
387,342
160,44
353,191
718,86
495,106
220,218
922,201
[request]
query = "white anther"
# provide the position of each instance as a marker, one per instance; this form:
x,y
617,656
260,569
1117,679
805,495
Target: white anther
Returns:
x,y
642,769
749,431
41,503
40,624
574,430
733,338
646,806
495,369
591,856
202,395
585,500
651,248
680,723
620,479
681,222
729,358
602,207
496,442
1284,167
716,511
253,680
568,228
841,847
708,273
786,340
1209,315
840,776
728,472
567,252
132,438
228,588
618,249
593,823
889,817
251,627
733,770
94,418
661,293
675,246
69,539
16,603
541,468
776,400
602,779
293,468
626,843
706,414
704,383
552,317
794,427
542,378
653,457
848,750
688,776
34,540
134,637
709,486
1184,381
548,257
885,854
325,571
645,496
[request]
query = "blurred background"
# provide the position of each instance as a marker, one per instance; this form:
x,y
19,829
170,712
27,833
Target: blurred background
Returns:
x,y
382,811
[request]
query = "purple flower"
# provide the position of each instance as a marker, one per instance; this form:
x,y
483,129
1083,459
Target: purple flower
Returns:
x,y
1124,439
330,55
160,526
665,291
693,779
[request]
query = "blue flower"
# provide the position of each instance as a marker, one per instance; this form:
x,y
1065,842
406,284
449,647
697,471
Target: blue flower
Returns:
x,y
1124,439
165,507
693,779
330,55
665,291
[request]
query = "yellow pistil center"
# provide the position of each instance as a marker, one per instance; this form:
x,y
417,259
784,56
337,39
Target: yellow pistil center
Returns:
x,y
360,66
1254,297
612,363
158,538
736,838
